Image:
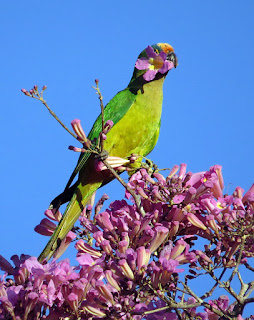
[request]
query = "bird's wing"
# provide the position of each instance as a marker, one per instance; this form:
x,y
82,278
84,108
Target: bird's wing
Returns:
x,y
114,110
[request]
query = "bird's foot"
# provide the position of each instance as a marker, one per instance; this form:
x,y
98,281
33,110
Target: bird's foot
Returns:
x,y
103,155
150,166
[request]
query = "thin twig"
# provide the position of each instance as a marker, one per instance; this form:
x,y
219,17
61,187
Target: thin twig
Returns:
x,y
250,289
56,117
210,292
102,111
39,96
248,266
238,260
244,286
190,292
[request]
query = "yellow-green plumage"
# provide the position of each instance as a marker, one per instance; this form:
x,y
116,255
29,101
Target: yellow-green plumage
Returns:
x,y
139,128
136,113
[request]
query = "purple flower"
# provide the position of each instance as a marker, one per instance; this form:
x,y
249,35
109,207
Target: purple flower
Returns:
x,y
77,128
125,268
121,253
143,257
45,228
154,63
85,259
5,265
160,236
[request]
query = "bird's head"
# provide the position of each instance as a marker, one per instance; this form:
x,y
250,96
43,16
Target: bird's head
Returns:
x,y
154,62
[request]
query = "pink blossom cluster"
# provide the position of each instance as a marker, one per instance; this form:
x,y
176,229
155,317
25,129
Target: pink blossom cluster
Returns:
x,y
133,257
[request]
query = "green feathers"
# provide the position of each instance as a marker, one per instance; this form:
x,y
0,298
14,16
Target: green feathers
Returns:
x,y
136,114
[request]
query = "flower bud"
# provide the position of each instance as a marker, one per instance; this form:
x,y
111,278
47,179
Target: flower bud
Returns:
x,y
125,268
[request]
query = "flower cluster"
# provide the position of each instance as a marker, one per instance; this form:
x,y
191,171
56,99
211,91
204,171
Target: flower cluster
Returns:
x,y
136,260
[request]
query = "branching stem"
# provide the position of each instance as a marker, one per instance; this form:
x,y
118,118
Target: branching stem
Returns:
x,y
39,96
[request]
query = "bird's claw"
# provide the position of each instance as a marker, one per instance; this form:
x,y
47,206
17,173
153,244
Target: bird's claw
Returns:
x,y
150,166
103,155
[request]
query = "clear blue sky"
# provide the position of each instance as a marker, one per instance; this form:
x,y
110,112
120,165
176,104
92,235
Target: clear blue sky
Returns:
x,y
208,100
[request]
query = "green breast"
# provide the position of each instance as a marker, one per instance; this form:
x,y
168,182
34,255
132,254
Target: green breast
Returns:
x,y
138,130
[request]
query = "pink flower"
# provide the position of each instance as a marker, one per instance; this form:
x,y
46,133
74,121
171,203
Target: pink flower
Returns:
x,y
160,236
153,63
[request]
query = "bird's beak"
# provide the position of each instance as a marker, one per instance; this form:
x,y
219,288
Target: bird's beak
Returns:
x,y
171,56
169,50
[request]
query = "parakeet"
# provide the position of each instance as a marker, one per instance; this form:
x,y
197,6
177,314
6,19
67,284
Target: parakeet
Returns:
x,y
136,115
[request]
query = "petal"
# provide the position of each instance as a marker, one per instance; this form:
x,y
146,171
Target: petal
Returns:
x,y
142,64
167,65
150,75
85,259
163,55
150,52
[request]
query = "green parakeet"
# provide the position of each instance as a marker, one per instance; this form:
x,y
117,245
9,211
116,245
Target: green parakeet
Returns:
x,y
136,116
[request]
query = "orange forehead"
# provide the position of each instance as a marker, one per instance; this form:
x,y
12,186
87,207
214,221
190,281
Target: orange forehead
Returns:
x,y
166,47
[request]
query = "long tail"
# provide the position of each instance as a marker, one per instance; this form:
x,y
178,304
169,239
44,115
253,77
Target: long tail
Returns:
x,y
78,202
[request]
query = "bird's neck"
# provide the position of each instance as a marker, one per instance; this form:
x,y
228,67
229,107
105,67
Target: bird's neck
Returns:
x,y
137,83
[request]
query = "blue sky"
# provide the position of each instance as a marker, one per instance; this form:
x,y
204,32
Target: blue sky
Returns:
x,y
208,100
